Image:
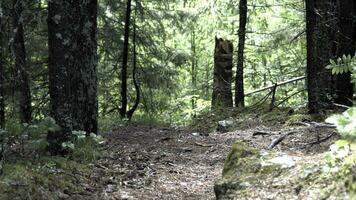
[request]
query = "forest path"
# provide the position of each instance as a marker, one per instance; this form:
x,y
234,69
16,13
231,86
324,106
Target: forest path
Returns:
x,y
149,162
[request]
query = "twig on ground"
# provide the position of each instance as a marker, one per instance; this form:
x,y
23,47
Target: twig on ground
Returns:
x,y
276,141
263,133
317,125
203,145
322,140
341,106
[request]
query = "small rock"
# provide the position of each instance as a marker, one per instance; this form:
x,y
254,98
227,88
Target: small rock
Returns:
x,y
110,188
225,125
61,195
284,161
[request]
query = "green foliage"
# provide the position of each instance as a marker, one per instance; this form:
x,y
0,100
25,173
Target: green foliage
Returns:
x,y
346,63
174,35
83,146
345,123
340,161
32,135
43,178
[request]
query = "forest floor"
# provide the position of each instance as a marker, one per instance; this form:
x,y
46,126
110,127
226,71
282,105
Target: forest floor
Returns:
x,y
152,162
141,161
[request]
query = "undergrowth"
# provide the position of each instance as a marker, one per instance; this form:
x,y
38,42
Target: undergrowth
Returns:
x,y
28,171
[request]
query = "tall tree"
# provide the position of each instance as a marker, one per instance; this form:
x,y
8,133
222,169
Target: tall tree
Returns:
x,y
72,28
239,81
134,71
194,68
21,67
2,77
321,22
125,55
346,45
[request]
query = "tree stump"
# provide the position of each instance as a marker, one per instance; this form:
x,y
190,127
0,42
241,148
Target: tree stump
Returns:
x,y
222,94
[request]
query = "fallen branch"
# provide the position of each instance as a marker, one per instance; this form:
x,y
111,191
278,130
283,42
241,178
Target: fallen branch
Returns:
x,y
341,106
276,141
203,145
317,125
263,133
275,85
322,140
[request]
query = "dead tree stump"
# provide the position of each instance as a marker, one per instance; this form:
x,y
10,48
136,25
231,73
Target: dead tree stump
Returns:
x,y
222,94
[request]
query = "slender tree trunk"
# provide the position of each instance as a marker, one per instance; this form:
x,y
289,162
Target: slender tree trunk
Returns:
x,y
346,46
137,86
125,55
72,28
206,82
193,69
2,72
321,20
20,62
239,82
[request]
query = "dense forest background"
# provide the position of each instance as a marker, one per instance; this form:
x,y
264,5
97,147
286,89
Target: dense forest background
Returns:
x,y
174,54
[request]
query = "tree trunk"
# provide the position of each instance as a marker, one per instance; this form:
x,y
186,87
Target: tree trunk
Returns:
x,y
239,82
19,51
193,70
2,77
72,28
222,95
125,55
137,87
346,46
321,28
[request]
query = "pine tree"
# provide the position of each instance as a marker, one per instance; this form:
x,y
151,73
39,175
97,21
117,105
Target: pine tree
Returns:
x,y
72,28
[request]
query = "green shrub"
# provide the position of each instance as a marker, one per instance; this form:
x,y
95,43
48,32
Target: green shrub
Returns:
x,y
84,146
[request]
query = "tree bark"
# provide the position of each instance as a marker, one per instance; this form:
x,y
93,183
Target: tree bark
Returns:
x,y
346,46
21,68
222,95
125,55
194,70
136,84
2,72
321,29
72,28
239,82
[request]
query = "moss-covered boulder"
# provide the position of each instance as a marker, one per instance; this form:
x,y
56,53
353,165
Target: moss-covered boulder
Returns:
x,y
245,168
252,174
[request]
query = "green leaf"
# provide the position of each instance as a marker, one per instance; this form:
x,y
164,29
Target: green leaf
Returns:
x,y
68,145
342,143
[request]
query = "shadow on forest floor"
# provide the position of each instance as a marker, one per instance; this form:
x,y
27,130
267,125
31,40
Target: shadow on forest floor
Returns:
x,y
155,162
150,162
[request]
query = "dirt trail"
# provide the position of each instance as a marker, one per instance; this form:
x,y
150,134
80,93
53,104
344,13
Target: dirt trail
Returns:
x,y
149,162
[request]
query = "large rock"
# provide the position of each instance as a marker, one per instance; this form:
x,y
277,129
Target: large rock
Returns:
x,y
243,169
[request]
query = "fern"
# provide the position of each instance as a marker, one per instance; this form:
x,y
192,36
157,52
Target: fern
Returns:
x,y
345,122
346,63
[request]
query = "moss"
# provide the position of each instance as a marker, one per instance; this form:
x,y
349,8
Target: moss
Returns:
x,y
241,159
273,170
298,118
243,172
45,178
351,186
